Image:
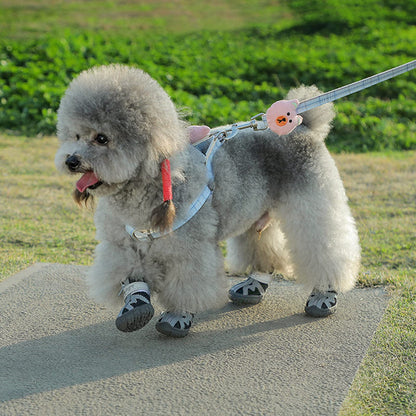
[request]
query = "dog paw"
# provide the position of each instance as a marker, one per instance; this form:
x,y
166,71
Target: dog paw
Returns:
x,y
175,325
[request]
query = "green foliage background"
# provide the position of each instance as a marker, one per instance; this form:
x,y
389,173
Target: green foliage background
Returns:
x,y
223,76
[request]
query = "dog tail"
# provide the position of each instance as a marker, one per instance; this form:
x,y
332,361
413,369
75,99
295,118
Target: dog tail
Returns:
x,y
318,119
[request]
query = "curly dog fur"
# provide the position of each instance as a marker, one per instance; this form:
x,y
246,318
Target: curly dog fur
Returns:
x,y
118,123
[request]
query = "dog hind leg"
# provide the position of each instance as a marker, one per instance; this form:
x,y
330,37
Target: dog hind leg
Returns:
x,y
255,251
323,243
260,251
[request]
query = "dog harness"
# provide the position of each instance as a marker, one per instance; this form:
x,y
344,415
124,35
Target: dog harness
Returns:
x,y
217,138
281,117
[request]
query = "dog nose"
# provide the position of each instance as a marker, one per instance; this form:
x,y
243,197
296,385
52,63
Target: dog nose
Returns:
x,y
73,163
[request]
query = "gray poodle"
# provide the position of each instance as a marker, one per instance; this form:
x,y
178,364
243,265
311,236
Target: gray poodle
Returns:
x,y
278,201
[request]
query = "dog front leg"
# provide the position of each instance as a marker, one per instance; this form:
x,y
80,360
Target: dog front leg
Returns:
x,y
118,270
112,264
195,282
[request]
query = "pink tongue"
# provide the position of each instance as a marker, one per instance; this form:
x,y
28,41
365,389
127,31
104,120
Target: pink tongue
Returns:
x,y
87,179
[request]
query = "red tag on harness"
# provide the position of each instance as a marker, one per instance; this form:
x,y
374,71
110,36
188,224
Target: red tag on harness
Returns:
x,y
166,180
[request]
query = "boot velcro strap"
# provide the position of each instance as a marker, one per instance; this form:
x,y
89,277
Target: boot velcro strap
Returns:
x,y
134,287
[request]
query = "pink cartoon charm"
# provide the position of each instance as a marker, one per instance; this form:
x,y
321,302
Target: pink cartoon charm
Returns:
x,y
282,117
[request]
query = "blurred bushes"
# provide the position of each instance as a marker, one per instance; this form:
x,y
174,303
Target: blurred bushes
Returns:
x,y
224,77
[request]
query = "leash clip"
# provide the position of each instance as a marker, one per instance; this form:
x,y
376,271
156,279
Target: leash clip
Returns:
x,y
259,124
230,133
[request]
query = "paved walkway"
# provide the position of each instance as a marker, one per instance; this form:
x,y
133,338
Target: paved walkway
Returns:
x,y
60,354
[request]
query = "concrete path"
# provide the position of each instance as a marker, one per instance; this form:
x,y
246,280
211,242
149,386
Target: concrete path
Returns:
x,y
60,354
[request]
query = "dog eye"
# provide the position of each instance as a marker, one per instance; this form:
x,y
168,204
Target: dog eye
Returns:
x,y
78,136
101,139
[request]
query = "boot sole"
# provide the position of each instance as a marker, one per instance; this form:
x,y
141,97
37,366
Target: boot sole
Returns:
x,y
135,319
318,312
166,329
245,299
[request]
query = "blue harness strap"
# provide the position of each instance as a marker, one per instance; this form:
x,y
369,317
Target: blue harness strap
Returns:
x,y
192,210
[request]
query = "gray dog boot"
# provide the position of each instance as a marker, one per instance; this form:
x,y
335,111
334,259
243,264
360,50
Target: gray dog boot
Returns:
x,y
137,311
175,325
321,304
250,291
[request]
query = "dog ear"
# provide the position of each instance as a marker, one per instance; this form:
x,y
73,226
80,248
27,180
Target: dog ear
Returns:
x,y
163,216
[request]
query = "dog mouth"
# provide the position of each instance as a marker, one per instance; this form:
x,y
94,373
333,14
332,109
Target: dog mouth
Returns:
x,y
88,180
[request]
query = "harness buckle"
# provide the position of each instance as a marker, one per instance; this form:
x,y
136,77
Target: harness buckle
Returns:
x,y
139,235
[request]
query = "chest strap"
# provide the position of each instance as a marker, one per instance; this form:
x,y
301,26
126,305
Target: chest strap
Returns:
x,y
192,210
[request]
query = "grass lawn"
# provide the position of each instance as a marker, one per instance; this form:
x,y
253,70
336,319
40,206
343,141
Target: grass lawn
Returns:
x,y
41,223
382,193
22,19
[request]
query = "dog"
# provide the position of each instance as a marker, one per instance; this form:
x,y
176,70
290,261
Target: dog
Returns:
x,y
277,201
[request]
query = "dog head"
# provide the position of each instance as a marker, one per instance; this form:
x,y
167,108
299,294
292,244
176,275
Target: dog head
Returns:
x,y
115,123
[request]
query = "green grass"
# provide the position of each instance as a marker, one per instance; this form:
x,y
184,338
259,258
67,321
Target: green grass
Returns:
x,y
386,381
40,222
23,19
381,188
